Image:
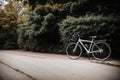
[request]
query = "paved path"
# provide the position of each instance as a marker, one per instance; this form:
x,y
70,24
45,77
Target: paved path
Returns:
x,y
24,66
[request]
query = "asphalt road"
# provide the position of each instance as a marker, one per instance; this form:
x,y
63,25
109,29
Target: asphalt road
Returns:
x,y
41,67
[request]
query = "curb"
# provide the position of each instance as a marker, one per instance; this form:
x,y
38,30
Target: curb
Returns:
x,y
113,63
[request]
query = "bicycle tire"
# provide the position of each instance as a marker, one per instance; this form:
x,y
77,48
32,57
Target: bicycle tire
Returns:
x,y
73,54
106,51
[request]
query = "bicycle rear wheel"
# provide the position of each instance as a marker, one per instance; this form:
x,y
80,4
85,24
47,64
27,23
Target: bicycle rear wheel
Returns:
x,y
73,54
104,54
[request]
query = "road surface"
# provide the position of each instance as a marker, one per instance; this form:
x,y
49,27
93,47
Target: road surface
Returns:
x,y
14,66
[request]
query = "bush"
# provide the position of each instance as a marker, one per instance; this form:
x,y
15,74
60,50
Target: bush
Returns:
x,y
103,26
46,23
2,38
11,41
41,34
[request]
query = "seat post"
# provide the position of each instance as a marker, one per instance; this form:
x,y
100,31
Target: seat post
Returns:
x,y
92,39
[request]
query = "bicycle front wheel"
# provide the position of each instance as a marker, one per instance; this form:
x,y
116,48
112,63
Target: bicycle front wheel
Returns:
x,y
73,53
105,51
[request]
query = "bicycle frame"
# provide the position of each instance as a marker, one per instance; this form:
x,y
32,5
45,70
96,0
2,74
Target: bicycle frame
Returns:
x,y
90,47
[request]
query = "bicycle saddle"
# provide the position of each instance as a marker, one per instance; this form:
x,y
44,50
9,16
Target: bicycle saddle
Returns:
x,y
93,36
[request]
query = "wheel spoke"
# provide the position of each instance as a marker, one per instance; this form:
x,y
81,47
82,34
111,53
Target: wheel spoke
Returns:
x,y
73,53
105,54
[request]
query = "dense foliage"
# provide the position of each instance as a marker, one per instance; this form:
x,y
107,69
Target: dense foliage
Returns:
x,y
47,25
103,26
106,27
41,34
8,24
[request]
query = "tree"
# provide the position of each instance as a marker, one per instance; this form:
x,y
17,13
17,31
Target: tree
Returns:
x,y
10,13
8,20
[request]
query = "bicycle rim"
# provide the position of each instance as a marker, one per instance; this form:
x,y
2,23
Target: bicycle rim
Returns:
x,y
73,54
106,51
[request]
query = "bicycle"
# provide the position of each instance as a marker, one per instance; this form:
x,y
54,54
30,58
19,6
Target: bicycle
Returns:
x,y
99,49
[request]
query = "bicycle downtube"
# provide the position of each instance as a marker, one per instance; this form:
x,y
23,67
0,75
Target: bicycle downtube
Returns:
x,y
75,47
